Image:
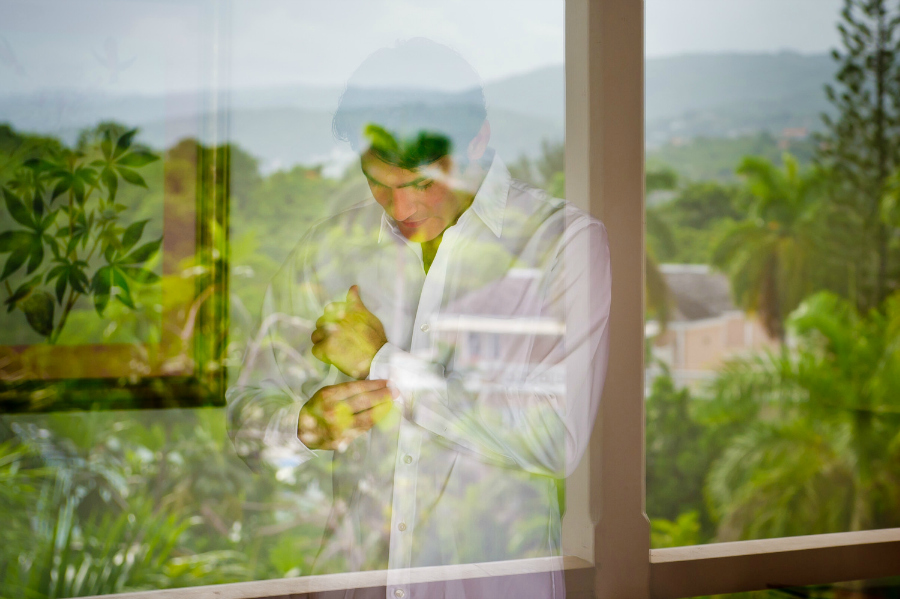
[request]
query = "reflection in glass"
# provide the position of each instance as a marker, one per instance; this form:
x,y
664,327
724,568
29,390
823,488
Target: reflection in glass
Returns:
x,y
187,172
442,450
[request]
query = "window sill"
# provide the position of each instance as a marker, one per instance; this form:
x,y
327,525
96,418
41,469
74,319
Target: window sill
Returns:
x,y
579,580
773,563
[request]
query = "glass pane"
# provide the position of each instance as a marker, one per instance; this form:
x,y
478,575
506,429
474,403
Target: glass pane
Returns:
x,y
773,379
275,198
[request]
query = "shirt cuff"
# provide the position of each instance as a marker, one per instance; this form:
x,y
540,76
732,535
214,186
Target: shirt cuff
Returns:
x,y
409,377
282,440
380,369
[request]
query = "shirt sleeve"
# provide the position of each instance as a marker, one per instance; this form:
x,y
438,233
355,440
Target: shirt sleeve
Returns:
x,y
279,374
537,414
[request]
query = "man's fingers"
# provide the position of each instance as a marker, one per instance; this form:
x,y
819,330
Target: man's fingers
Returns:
x,y
368,418
318,351
366,400
343,391
334,311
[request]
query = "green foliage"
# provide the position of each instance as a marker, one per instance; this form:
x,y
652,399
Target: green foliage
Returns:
x,y
692,221
817,449
772,258
679,451
79,234
714,158
862,143
547,171
685,530
661,179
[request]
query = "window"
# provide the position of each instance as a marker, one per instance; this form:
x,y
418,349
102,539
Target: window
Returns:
x,y
750,136
184,454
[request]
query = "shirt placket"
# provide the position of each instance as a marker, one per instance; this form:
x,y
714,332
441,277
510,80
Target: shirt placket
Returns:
x,y
403,510
409,440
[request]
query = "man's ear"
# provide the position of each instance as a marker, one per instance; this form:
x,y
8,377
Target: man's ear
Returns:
x,y
478,145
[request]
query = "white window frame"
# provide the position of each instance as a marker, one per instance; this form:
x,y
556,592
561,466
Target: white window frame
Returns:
x,y
605,174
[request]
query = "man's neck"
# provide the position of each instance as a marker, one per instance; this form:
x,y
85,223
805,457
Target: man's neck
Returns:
x,y
477,173
429,251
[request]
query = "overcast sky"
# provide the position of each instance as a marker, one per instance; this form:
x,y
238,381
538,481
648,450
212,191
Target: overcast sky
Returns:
x,y
150,46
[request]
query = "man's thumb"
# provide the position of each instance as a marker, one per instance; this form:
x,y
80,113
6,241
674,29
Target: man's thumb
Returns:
x,y
353,295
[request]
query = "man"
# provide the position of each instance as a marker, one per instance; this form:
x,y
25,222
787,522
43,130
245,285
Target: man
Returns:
x,y
443,343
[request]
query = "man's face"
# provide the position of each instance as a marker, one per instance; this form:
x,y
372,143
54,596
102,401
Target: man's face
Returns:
x,y
420,200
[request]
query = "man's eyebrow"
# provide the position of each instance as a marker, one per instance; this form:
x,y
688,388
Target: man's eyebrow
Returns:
x,y
372,179
415,181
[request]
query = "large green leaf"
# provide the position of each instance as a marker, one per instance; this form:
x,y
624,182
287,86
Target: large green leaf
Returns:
x,y
123,291
143,253
111,180
37,255
106,145
12,240
132,176
38,308
133,234
101,285
15,261
77,279
78,191
124,142
60,188
20,293
17,209
137,159
48,221
37,204
140,275
58,273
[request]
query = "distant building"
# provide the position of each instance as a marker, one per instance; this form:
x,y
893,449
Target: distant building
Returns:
x,y
794,133
791,134
481,334
705,327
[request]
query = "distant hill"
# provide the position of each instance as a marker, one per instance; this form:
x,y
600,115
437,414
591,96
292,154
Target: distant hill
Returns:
x,y
711,95
688,96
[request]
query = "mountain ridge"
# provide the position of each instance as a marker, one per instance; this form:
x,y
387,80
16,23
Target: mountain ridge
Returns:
x,y
687,96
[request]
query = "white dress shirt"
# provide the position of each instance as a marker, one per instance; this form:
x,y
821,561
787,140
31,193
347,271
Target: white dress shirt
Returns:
x,y
497,355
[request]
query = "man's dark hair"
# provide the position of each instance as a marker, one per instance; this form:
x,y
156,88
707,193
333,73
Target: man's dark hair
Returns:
x,y
407,124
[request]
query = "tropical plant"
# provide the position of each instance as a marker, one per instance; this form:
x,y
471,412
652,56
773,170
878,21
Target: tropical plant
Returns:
x,y
862,143
772,257
819,450
71,241
659,241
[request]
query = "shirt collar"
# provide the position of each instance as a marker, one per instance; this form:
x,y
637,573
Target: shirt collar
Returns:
x,y
489,203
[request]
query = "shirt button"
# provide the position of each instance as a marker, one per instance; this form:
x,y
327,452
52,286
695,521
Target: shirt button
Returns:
x,y
399,593
407,459
401,527
425,327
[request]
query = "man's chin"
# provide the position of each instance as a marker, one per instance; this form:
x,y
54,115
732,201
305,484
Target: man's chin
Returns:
x,y
419,235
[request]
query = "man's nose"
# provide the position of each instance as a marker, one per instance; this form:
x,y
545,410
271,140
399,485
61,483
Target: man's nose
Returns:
x,y
403,206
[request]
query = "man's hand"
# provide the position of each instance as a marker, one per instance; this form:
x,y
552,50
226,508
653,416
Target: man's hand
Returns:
x,y
337,414
348,336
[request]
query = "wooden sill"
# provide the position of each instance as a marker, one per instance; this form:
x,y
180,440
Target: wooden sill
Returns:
x,y
772,563
579,580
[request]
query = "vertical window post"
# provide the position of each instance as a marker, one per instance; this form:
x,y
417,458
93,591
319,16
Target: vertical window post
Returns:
x,y
605,173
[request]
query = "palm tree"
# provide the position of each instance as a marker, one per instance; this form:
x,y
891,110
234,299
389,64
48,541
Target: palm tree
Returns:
x,y
815,442
771,257
659,241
